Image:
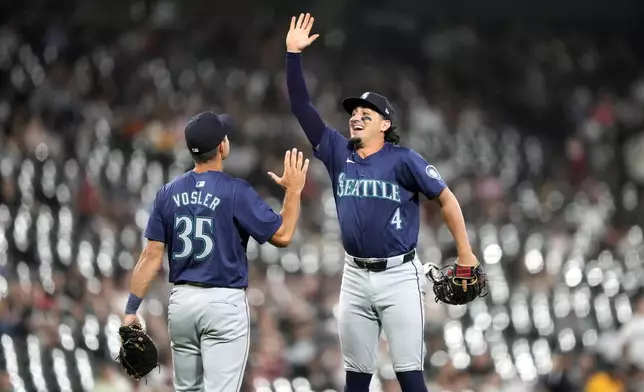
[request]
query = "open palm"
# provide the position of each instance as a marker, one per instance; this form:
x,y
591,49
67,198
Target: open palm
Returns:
x,y
295,169
298,37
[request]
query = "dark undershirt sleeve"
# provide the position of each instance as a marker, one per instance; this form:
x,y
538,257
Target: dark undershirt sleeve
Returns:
x,y
301,104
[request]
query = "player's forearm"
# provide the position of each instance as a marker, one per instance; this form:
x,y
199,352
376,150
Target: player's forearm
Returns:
x,y
301,104
297,91
144,273
290,214
453,218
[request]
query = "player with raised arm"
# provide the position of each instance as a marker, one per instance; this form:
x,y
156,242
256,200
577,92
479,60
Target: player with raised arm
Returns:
x,y
204,219
376,186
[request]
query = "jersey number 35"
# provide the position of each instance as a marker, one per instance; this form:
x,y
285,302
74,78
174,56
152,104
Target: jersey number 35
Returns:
x,y
191,231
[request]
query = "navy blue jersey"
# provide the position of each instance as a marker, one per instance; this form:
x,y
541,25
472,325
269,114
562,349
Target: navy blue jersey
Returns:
x,y
377,198
206,220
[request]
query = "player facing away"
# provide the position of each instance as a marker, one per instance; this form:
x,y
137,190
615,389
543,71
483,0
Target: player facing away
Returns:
x,y
376,186
204,219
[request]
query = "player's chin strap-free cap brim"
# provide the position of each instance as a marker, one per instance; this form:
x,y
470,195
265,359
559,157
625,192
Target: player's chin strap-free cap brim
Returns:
x,y
372,101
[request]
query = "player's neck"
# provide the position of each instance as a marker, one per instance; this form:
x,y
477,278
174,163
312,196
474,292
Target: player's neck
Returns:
x,y
371,149
217,165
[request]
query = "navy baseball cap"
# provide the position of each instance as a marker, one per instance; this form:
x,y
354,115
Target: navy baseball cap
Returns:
x,y
206,131
374,101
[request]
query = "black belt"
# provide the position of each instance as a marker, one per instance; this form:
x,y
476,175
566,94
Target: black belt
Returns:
x,y
379,265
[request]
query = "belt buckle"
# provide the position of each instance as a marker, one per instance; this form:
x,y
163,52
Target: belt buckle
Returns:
x,y
369,260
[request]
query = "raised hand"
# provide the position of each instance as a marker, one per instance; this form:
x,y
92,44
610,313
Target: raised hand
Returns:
x,y
298,37
295,169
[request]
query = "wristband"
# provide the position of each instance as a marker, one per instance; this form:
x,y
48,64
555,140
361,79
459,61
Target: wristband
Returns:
x,y
133,303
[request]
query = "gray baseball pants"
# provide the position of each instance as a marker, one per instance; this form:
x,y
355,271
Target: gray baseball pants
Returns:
x,y
392,301
210,337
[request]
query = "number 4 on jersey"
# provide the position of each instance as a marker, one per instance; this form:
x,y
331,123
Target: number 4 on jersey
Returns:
x,y
397,220
190,230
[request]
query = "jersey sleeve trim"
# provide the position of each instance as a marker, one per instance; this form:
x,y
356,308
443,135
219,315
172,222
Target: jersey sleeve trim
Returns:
x,y
437,195
153,238
271,233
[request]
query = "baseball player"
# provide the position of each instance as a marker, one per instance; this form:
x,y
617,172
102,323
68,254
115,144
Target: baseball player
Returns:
x,y
376,186
204,219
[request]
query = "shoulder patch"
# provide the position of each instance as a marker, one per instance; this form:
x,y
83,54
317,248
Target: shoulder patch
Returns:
x,y
432,172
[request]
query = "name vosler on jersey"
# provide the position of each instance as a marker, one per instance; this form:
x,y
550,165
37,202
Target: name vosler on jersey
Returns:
x,y
196,198
354,187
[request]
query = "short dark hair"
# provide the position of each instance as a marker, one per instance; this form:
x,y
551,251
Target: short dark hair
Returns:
x,y
391,136
205,157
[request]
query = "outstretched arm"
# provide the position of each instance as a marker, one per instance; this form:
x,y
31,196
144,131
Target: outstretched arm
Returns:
x,y
258,219
301,105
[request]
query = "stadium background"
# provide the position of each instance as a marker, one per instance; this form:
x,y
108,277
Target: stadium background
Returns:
x,y
533,112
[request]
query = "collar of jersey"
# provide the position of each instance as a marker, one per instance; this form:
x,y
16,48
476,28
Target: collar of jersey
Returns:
x,y
360,159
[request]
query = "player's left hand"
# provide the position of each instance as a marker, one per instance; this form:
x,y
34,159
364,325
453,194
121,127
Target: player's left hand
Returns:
x,y
298,37
138,354
295,169
131,319
467,260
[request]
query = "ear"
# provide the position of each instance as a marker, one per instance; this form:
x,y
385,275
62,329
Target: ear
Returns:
x,y
222,146
385,125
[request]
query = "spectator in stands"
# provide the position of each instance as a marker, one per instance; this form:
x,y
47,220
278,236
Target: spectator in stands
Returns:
x,y
5,384
448,379
559,378
630,339
610,379
583,368
110,379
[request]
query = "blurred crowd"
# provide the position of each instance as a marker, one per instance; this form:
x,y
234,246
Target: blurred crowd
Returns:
x,y
538,134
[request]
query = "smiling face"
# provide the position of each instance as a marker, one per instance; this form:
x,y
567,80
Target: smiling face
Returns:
x,y
367,126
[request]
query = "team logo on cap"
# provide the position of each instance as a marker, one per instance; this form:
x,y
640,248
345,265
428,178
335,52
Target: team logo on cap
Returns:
x,y
432,172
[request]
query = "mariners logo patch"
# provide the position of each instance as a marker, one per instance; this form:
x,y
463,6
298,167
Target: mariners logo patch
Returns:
x,y
432,172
